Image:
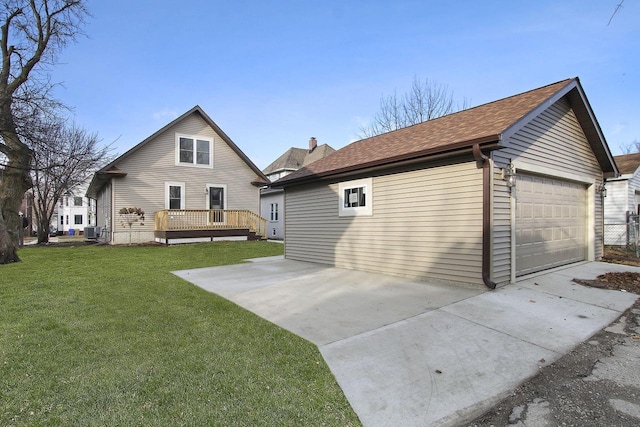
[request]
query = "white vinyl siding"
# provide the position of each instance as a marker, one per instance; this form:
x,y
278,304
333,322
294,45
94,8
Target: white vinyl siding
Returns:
x,y
623,196
153,164
275,228
555,143
633,193
426,223
618,202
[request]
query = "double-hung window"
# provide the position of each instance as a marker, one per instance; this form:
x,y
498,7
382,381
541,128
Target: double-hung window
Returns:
x,y
355,197
174,195
196,151
274,211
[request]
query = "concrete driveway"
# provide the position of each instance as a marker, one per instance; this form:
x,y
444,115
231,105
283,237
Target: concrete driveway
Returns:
x,y
412,353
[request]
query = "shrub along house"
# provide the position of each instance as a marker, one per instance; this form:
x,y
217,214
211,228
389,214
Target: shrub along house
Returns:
x,y
191,180
484,195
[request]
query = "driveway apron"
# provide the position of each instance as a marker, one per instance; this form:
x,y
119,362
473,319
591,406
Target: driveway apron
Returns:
x,y
413,353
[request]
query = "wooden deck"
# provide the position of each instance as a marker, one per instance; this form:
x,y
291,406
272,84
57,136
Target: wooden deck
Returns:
x,y
188,223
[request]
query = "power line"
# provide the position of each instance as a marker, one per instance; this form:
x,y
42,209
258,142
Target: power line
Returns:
x,y
618,7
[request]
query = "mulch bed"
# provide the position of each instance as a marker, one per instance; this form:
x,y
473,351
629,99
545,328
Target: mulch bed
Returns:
x,y
626,281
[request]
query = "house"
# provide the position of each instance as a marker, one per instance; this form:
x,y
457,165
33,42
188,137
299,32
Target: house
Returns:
x,y
484,195
190,179
623,200
272,199
75,212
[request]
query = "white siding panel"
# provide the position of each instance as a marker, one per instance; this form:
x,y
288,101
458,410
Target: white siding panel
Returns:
x,y
154,164
617,202
426,223
554,142
633,193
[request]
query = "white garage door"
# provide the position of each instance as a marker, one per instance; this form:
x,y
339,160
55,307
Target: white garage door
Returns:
x,y
551,223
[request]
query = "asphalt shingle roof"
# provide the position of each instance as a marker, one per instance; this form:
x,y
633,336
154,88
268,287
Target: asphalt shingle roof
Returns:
x,y
627,163
295,158
458,130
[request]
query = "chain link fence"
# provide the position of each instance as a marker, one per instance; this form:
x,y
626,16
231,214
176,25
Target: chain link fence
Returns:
x,y
624,234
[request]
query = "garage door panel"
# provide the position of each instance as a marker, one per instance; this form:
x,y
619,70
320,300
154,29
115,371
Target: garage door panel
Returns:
x,y
550,223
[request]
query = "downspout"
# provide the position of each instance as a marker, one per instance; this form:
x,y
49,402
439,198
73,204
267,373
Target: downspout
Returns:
x,y
483,161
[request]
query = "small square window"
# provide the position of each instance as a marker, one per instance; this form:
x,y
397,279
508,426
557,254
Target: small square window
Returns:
x,y
77,219
77,201
355,197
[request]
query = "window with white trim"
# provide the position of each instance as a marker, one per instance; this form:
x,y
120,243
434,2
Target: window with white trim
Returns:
x,y
355,197
174,195
196,151
274,211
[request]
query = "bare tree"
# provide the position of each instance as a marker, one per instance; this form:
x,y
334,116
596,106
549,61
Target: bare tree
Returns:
x,y
426,100
66,157
32,33
632,147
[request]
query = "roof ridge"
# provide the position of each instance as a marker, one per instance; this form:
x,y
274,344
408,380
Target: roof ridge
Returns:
x,y
473,108
482,124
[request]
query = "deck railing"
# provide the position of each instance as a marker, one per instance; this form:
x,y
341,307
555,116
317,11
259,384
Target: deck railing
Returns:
x,y
183,219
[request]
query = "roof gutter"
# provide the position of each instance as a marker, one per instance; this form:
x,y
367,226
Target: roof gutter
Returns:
x,y
484,162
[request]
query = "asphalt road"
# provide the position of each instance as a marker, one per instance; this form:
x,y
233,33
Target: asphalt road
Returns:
x,y
597,383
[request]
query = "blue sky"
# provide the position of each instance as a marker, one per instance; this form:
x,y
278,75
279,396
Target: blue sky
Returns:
x,y
272,74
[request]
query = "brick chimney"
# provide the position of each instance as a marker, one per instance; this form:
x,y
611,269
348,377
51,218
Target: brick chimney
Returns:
x,y
313,143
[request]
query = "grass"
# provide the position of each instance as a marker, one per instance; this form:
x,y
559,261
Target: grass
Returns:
x,y
102,335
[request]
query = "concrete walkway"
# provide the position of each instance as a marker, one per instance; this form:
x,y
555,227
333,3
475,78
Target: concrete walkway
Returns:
x,y
411,353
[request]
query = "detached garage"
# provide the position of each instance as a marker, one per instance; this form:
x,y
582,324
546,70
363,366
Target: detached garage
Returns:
x,y
485,195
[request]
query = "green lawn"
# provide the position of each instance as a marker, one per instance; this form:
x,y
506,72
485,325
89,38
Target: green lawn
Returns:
x,y
101,335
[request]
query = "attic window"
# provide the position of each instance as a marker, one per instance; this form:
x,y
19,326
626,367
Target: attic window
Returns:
x,y
355,197
194,151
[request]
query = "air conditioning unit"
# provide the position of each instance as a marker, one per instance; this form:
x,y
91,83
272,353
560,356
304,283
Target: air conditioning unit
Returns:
x,y
91,232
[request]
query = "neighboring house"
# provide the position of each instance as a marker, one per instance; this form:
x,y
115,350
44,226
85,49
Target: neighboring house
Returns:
x,y
623,199
485,195
191,180
272,199
75,212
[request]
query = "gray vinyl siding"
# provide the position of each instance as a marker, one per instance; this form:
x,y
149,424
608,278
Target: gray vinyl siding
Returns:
x,y
153,164
554,141
426,223
103,210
